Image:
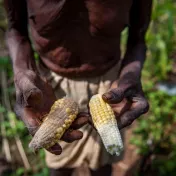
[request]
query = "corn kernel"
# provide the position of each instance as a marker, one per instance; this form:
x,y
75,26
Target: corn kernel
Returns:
x,y
68,110
60,117
55,141
59,130
52,143
72,117
68,121
64,126
57,135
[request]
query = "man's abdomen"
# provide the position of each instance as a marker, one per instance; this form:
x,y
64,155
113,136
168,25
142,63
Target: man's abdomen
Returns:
x,y
78,40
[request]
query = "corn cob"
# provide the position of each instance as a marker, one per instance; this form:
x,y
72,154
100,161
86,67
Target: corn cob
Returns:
x,y
63,112
105,122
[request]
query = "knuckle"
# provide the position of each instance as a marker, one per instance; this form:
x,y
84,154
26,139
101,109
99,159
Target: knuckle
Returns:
x,y
68,137
118,94
69,140
17,77
24,78
17,109
128,120
145,106
31,74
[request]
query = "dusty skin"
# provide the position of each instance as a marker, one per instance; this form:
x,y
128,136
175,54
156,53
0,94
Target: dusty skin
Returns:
x,y
76,38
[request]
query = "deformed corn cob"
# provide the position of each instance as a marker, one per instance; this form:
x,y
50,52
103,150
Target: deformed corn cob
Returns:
x,y
63,112
105,122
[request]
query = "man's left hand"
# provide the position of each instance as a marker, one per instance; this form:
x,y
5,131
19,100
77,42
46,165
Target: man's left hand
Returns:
x,y
127,100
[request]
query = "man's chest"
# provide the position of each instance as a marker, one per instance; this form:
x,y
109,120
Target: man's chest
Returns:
x,y
98,17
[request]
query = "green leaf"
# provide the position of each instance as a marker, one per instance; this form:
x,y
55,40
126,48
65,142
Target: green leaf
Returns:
x,y
20,171
4,61
2,109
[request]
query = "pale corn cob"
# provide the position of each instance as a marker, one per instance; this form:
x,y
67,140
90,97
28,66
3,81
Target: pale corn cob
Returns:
x,y
105,122
62,114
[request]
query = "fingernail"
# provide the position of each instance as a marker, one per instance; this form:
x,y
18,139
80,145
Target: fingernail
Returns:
x,y
83,114
107,96
81,136
55,150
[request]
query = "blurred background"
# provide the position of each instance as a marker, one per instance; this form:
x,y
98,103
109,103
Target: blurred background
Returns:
x,y
150,141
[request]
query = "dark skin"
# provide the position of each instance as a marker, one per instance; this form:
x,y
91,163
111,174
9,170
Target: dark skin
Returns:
x,y
63,29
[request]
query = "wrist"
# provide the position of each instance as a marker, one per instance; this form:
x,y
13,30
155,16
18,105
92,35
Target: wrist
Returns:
x,y
131,70
23,66
134,59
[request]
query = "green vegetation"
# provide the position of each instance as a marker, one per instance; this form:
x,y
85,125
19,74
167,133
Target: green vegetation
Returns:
x,y
155,134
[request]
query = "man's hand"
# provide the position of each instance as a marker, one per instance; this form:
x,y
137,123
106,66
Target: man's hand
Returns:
x,y
126,96
34,98
127,100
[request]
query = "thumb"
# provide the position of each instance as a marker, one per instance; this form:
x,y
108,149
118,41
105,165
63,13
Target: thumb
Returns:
x,y
113,96
118,94
33,97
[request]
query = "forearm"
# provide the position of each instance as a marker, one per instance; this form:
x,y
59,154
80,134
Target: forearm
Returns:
x,y
20,51
129,86
17,38
134,60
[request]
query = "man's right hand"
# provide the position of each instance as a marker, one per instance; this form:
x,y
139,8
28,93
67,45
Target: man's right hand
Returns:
x,y
34,98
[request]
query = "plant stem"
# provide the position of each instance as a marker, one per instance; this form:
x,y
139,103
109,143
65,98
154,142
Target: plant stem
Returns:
x,y
6,101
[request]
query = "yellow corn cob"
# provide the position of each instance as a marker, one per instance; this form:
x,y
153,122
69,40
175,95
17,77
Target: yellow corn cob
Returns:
x,y
105,122
63,112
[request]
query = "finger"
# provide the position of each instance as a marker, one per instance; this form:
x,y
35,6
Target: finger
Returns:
x,y
114,96
55,149
81,120
29,116
72,135
33,97
121,107
139,106
31,119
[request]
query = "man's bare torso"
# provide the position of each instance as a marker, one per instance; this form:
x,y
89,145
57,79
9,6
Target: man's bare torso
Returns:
x,y
78,36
